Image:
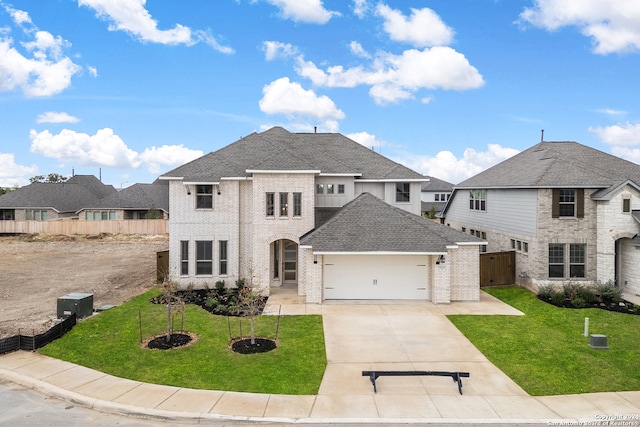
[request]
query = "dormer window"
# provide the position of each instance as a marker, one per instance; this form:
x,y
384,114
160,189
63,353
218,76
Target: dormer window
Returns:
x,y
204,196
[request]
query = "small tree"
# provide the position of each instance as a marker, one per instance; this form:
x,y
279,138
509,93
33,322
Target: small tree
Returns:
x,y
248,304
51,178
153,213
174,303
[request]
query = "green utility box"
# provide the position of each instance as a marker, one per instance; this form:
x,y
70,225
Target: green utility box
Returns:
x,y
79,304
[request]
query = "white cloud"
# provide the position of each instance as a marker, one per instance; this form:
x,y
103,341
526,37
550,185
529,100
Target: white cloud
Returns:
x,y
358,50
423,28
45,72
396,77
446,166
630,154
309,11
614,25
360,8
365,138
274,50
131,17
13,174
93,71
290,99
105,148
56,117
158,158
627,134
611,112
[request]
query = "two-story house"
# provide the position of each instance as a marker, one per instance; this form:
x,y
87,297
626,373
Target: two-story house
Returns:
x,y
570,212
434,195
317,212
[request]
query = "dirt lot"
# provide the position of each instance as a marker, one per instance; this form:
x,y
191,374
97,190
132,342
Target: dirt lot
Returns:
x,y
36,270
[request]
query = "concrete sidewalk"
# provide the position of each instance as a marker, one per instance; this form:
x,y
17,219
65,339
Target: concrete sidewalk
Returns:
x,y
385,335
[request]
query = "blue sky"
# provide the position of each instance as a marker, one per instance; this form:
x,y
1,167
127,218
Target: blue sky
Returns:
x,y
130,89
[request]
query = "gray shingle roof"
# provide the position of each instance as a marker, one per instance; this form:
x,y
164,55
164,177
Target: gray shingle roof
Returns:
x,y
435,184
557,164
368,224
70,196
138,196
278,149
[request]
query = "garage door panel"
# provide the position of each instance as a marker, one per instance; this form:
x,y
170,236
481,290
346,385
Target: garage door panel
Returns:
x,y
375,277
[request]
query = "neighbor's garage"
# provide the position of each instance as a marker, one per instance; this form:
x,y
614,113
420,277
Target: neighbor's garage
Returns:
x,y
376,277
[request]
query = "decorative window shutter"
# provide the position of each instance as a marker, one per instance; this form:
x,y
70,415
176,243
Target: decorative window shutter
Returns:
x,y
580,202
555,203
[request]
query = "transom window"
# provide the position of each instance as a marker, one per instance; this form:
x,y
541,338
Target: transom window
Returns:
x,y
403,192
478,200
204,196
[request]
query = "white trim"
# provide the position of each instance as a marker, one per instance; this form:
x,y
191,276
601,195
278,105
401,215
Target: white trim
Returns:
x,y
340,174
392,180
201,183
375,253
171,178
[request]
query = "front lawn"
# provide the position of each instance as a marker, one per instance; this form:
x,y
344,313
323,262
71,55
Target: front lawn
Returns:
x,y
546,352
110,342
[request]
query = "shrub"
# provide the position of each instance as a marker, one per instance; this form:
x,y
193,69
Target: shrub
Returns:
x,y
557,298
220,285
578,302
587,294
608,292
571,289
545,291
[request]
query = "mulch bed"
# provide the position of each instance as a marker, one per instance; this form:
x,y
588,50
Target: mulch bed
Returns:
x,y
619,307
177,340
244,346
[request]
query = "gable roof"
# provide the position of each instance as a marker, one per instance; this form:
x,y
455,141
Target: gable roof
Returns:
x,y
368,224
137,196
435,184
555,165
277,150
77,192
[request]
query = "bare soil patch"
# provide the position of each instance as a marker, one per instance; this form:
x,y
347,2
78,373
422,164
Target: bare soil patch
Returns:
x,y
35,270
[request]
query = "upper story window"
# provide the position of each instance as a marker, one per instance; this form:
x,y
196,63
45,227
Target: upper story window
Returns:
x,y
329,188
403,192
297,204
478,200
626,205
204,196
270,202
441,197
320,189
284,204
567,203
340,188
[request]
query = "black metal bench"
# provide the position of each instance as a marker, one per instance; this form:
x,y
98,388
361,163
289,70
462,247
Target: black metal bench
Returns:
x,y
456,376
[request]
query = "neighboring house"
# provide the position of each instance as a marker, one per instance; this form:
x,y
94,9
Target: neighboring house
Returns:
x,y
314,211
42,201
570,212
138,201
434,195
84,197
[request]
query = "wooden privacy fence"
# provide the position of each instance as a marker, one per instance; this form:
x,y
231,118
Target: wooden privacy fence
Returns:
x,y
33,342
70,227
497,268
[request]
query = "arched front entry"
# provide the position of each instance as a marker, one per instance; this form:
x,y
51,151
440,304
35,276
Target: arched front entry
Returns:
x,y
284,263
627,264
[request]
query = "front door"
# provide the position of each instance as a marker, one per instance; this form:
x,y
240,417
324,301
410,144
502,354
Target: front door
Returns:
x,y
290,262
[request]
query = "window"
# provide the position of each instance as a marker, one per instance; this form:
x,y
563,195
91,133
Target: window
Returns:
x,y
184,257
403,192
567,203
276,259
204,196
204,257
556,260
478,200
284,204
320,189
513,244
340,188
112,215
223,256
297,204
329,188
437,197
7,215
525,247
40,215
270,204
626,205
96,215
577,260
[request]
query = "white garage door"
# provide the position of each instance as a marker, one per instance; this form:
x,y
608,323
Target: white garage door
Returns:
x,y
375,277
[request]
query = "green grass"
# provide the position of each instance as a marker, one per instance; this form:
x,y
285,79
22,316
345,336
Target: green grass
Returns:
x,y
110,343
546,352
